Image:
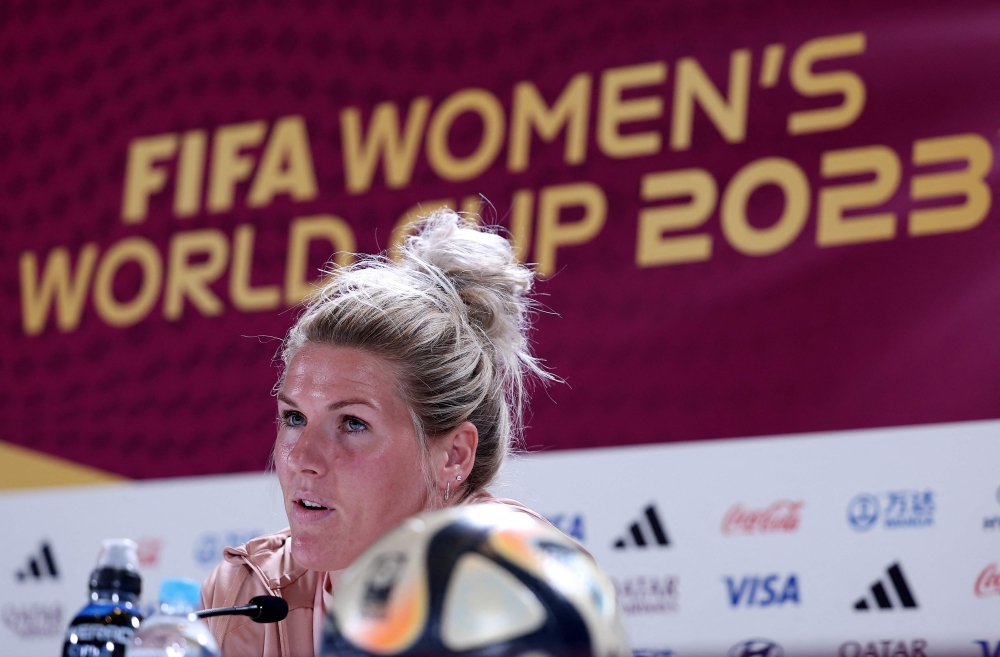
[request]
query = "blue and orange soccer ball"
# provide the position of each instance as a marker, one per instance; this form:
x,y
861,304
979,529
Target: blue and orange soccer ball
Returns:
x,y
482,580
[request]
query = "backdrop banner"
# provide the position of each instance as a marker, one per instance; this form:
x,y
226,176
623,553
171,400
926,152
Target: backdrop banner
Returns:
x,y
870,543
748,219
754,218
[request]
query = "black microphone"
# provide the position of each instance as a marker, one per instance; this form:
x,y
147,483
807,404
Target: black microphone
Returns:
x,y
262,609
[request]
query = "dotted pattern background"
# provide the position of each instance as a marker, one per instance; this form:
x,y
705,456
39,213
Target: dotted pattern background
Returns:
x,y
891,333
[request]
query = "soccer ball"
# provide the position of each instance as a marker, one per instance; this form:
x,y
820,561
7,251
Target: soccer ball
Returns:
x,y
482,580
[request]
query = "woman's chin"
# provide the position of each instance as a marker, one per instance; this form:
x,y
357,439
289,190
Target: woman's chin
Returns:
x,y
316,553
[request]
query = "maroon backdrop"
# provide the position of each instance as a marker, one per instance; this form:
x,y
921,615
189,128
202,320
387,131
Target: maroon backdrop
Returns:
x,y
808,338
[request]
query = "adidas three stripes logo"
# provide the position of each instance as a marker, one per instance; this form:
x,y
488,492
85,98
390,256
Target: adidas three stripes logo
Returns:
x,y
880,592
646,531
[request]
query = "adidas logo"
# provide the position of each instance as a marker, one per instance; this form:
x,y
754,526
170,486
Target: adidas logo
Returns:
x,y
646,531
40,566
881,595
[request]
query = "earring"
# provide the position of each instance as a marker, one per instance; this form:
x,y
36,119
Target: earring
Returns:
x,y
459,477
447,492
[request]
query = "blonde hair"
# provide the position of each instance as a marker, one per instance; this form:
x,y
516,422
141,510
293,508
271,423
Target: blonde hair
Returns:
x,y
451,314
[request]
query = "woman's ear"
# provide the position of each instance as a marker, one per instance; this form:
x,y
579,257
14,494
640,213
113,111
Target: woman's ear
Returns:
x,y
456,457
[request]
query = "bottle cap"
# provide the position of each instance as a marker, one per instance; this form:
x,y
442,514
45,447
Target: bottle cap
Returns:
x,y
180,592
117,568
120,553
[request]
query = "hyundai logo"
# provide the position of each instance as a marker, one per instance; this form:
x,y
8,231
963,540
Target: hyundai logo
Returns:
x,y
756,648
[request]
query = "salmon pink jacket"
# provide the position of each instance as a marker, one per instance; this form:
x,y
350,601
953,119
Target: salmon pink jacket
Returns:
x,y
264,566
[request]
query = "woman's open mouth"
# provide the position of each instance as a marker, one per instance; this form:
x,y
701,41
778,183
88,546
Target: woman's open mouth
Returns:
x,y
306,509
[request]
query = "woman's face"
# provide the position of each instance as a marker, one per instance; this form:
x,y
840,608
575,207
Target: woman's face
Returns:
x,y
347,455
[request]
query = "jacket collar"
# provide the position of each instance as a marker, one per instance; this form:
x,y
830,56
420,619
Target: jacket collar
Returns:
x,y
270,556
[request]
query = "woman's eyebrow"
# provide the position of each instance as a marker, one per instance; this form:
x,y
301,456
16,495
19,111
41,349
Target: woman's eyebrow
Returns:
x,y
351,402
285,399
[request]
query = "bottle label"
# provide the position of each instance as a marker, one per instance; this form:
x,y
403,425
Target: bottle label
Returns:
x,y
92,639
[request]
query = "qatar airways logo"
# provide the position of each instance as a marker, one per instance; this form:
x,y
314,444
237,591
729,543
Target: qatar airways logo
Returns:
x,y
782,516
988,582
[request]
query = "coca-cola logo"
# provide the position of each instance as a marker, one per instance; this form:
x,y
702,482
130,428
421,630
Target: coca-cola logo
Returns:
x,y
149,551
780,516
988,582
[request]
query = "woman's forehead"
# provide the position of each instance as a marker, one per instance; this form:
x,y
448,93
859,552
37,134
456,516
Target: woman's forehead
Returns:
x,y
319,369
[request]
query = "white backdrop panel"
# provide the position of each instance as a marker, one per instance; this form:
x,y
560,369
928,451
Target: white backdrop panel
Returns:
x,y
788,570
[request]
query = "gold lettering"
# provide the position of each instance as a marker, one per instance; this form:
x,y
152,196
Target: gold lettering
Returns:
x,y
977,153
520,222
812,85
614,111
68,290
191,280
143,177
693,85
361,153
302,232
242,294
190,173
552,234
440,157
286,167
571,111
131,249
764,241
653,249
770,68
229,165
832,227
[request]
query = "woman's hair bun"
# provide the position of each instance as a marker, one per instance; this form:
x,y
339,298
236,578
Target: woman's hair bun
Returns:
x,y
480,266
452,315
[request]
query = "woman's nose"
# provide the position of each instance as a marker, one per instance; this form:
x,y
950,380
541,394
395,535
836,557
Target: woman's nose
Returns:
x,y
308,454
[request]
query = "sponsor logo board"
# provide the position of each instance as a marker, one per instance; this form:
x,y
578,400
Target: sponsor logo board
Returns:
x,y
647,594
647,530
781,516
880,589
883,648
770,590
892,510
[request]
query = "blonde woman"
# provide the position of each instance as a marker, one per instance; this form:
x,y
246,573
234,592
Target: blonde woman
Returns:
x,y
402,391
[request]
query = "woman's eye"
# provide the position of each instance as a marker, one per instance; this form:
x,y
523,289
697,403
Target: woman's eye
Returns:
x,y
293,419
354,424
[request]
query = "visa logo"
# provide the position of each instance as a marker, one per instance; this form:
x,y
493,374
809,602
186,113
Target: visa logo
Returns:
x,y
762,590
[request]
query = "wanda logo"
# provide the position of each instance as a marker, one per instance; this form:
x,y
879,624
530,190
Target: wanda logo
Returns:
x,y
988,582
781,516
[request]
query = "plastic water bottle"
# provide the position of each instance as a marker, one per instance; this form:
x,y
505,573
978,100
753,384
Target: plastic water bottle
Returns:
x,y
174,631
104,628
